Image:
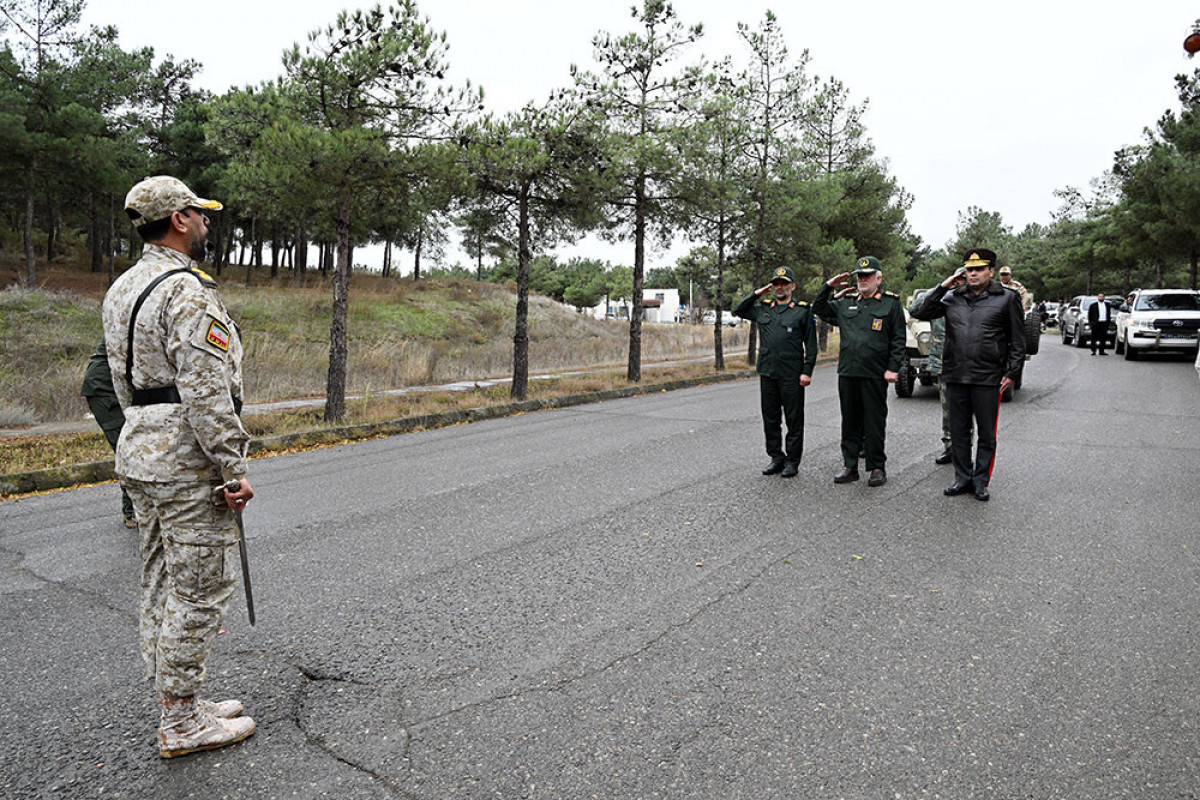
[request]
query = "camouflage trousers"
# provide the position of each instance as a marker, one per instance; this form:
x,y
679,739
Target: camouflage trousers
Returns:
x,y
946,414
188,575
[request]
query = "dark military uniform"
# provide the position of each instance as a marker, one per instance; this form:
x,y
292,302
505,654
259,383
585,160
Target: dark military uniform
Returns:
x,y
872,342
788,350
102,400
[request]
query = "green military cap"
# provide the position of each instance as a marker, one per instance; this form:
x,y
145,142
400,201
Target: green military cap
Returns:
x,y
868,265
161,196
783,274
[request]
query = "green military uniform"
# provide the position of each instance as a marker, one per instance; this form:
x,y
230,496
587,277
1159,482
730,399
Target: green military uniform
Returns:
x,y
787,350
102,400
872,342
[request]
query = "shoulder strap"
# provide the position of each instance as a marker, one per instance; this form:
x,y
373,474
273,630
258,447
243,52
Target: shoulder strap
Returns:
x,y
137,306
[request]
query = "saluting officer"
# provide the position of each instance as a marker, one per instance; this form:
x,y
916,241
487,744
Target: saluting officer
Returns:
x,y
871,323
786,357
176,362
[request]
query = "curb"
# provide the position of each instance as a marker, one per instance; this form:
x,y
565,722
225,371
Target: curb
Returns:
x,y
100,471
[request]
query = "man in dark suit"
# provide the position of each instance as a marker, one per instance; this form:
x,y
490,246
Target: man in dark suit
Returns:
x,y
1098,316
982,356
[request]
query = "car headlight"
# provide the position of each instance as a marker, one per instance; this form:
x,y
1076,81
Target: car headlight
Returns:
x,y
1142,323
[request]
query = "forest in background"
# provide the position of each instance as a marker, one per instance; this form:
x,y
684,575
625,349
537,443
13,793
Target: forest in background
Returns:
x,y
361,140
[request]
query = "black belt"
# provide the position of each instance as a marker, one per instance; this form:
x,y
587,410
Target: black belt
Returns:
x,y
152,397
169,394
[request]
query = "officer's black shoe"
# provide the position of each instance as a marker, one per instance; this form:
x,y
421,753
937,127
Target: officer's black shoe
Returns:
x,y
959,487
775,467
878,477
981,493
791,469
945,458
848,475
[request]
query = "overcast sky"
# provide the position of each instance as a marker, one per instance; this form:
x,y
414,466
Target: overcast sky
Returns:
x,y
991,104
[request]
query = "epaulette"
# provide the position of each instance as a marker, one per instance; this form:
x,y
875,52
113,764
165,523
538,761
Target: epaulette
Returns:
x,y
801,302
204,277
892,294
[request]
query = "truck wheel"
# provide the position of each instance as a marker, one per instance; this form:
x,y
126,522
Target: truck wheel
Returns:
x,y
1079,341
1033,334
1131,353
905,380
1062,332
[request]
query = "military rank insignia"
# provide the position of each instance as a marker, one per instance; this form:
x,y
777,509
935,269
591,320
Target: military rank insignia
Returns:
x,y
876,324
218,336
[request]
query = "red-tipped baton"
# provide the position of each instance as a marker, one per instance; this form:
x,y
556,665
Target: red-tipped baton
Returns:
x,y
233,486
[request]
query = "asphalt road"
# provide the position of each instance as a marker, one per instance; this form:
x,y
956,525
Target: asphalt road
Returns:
x,y
609,601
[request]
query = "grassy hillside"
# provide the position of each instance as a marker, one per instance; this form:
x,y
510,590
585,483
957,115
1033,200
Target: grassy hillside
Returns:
x,y
401,334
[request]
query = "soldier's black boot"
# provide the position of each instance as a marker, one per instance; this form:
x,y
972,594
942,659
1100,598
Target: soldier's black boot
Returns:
x,y
775,467
945,458
790,469
878,477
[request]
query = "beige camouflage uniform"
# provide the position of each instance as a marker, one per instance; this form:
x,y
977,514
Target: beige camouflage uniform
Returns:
x,y
172,457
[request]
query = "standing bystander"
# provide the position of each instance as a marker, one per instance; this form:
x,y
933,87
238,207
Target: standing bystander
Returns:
x,y
176,359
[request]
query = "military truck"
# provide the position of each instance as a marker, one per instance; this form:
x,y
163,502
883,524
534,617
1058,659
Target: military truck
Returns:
x,y
919,336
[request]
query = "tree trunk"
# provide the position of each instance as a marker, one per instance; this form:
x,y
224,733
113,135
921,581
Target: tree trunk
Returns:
x,y
220,245
387,257
109,243
274,251
53,233
335,386
417,256
520,377
30,258
718,342
95,237
634,371
301,256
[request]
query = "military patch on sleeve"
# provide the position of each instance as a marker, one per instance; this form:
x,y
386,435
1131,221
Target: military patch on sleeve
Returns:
x,y
877,324
218,336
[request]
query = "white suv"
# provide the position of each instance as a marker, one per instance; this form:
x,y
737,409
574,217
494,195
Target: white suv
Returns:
x,y
1158,319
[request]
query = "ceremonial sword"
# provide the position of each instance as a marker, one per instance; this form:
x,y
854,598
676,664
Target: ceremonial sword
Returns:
x,y
233,486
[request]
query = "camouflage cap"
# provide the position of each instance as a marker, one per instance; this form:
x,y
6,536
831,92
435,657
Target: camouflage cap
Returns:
x,y
783,274
158,197
868,265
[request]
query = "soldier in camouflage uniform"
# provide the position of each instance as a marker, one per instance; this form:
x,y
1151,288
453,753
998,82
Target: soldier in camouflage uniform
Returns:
x,y
178,376
106,409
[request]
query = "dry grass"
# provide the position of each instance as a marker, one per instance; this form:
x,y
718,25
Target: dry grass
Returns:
x,y
401,334
26,453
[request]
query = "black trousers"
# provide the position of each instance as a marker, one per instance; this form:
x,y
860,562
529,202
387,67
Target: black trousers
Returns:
x,y
981,403
1099,339
782,400
864,420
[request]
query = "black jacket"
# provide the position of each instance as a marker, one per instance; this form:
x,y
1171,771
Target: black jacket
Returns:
x,y
985,334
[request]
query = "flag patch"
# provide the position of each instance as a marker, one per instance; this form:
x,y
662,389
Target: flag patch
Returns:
x,y
218,336
876,324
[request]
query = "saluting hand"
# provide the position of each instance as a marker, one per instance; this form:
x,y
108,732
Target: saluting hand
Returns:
x,y
959,277
838,280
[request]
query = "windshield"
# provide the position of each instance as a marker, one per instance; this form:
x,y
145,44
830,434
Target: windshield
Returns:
x,y
1168,302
